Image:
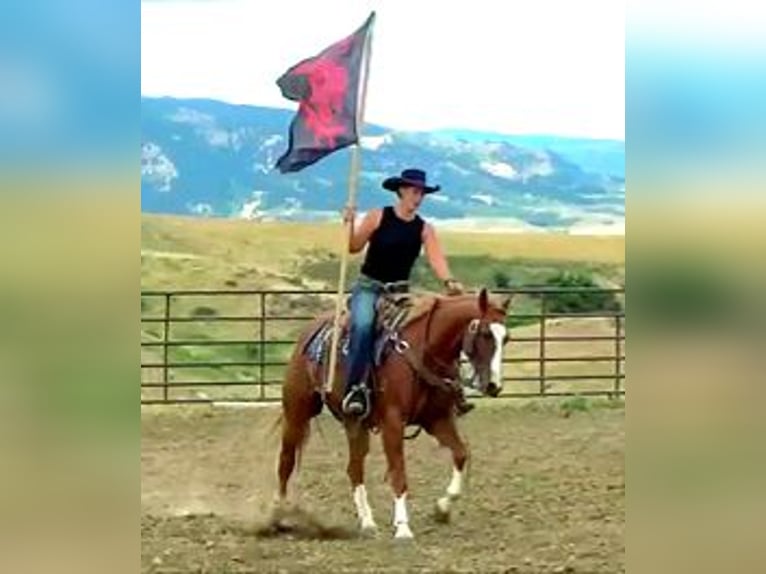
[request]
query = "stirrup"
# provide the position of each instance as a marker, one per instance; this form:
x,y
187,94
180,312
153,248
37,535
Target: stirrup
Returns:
x,y
357,402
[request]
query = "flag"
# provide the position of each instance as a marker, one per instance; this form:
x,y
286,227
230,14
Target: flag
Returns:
x,y
327,89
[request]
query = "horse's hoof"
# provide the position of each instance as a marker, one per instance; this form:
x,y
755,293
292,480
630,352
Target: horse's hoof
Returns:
x,y
403,532
369,530
442,511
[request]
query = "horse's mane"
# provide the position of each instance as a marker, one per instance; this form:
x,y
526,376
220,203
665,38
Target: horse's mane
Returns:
x,y
422,302
420,305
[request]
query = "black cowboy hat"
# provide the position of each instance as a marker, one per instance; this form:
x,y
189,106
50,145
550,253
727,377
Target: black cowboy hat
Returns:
x,y
416,177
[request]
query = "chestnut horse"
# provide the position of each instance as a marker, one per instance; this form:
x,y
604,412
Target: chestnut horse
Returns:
x,y
410,388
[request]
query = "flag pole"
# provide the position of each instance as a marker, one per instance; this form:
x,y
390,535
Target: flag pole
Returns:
x,y
353,178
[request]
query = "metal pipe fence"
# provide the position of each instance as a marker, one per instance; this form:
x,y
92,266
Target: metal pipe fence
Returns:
x,y
201,354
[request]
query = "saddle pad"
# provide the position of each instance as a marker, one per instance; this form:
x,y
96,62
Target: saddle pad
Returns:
x,y
394,313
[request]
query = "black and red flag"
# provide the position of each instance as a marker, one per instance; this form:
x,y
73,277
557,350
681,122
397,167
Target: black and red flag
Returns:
x,y
327,89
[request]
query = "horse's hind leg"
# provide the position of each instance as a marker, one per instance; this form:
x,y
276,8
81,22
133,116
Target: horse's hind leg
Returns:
x,y
445,431
358,447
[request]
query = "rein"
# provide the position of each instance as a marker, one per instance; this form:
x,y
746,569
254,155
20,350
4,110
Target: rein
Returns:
x,y
417,361
417,364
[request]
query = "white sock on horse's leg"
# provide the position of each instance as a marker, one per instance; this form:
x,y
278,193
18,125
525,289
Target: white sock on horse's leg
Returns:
x,y
363,510
454,489
401,518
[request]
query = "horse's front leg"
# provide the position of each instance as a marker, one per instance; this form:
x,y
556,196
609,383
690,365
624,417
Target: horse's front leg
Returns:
x,y
393,444
358,447
445,431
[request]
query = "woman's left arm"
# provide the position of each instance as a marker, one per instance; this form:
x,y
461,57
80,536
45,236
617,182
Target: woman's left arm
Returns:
x,y
436,257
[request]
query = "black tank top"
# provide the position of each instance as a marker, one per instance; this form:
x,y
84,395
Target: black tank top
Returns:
x,y
393,247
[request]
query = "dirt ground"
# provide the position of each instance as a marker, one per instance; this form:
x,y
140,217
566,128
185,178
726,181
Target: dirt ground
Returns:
x,y
545,493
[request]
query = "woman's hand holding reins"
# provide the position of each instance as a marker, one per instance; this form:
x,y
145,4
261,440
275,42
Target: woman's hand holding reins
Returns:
x,y
453,287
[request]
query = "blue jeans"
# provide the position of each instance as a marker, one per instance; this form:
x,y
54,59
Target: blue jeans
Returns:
x,y
362,335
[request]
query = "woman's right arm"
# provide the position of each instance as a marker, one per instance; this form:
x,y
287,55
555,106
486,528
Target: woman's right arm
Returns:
x,y
361,234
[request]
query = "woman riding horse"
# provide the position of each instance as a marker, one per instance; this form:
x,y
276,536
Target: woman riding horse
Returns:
x,y
394,236
416,379
414,387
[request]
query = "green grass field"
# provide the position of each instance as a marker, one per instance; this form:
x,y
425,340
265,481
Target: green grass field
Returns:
x,y
180,252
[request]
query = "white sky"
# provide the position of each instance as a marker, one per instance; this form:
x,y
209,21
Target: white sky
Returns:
x,y
529,66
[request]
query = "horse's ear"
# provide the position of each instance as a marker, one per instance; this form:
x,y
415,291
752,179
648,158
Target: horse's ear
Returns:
x,y
483,301
506,302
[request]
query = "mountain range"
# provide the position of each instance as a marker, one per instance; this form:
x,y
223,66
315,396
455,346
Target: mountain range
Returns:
x,y
210,158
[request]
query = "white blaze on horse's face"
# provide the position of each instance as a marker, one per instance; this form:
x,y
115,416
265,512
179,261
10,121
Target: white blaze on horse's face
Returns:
x,y
499,331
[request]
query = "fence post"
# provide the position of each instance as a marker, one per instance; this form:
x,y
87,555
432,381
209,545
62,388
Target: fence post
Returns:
x,y
543,316
262,346
165,338
617,354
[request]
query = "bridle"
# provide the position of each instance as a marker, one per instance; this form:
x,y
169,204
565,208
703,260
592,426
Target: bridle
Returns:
x,y
469,343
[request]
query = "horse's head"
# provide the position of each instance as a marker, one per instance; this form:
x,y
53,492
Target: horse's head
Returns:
x,y
483,343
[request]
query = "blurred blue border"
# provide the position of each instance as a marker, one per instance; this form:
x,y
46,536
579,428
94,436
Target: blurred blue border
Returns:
x,y
71,80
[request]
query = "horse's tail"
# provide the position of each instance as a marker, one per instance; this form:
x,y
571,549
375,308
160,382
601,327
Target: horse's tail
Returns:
x,y
299,403
302,441
298,434
468,460
276,424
